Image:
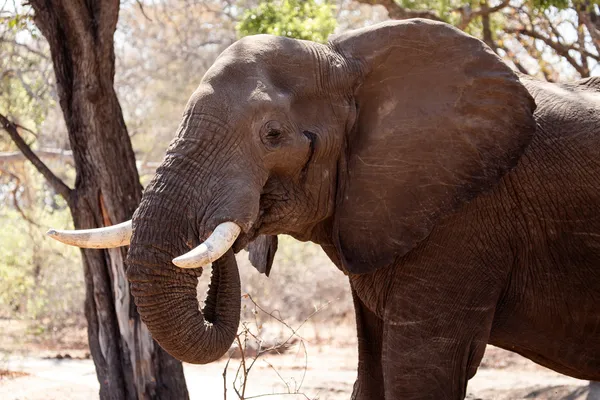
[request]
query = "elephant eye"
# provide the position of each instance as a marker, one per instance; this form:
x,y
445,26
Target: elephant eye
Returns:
x,y
273,134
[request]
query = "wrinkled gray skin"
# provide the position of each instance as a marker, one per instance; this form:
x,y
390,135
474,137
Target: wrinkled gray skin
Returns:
x,y
462,214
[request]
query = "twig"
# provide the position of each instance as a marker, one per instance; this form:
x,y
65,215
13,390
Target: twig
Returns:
x,y
141,7
467,15
515,61
305,365
225,378
560,49
279,375
57,184
14,195
26,47
395,11
277,394
243,366
65,156
270,314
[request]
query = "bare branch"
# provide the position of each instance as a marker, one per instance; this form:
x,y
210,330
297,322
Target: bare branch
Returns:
x,y
279,375
395,11
593,28
581,41
277,394
515,60
468,15
271,314
560,49
57,184
26,47
141,7
487,30
14,196
245,371
65,156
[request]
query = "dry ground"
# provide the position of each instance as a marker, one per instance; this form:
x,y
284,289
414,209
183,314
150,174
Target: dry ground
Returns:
x,y
60,369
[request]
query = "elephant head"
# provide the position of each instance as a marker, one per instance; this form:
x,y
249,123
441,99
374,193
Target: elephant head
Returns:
x,y
360,145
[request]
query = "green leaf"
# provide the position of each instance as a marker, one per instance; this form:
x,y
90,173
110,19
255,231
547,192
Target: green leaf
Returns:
x,y
308,20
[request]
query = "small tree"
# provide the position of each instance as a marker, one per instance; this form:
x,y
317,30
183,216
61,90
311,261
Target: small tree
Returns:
x,y
300,19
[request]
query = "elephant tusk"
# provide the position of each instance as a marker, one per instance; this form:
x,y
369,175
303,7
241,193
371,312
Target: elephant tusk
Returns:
x,y
99,238
212,248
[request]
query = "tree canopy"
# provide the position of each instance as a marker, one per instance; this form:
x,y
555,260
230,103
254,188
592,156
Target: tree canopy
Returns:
x,y
552,39
300,19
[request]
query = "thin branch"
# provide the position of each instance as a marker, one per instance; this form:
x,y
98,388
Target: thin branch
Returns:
x,y
65,156
57,184
225,378
593,28
26,47
277,394
305,365
245,369
395,11
14,196
581,41
553,27
270,314
289,390
141,7
243,355
468,15
560,49
487,30
513,58
23,128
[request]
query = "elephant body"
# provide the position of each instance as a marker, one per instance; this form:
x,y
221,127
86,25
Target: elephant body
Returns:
x,y
558,226
521,269
461,200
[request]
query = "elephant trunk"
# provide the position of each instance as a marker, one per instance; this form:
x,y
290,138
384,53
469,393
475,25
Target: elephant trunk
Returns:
x,y
168,222
168,305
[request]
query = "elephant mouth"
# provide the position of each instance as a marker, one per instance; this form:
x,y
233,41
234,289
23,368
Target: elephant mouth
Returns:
x,y
248,236
245,234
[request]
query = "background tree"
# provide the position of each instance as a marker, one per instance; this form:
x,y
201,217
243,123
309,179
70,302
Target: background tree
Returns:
x,y
300,19
553,39
129,365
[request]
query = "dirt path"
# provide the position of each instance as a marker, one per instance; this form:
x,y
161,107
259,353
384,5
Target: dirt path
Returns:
x,y
329,375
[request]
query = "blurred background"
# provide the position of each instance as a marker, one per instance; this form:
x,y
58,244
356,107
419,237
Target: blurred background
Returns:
x,y
162,49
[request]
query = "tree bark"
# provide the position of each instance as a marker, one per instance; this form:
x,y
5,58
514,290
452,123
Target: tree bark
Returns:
x,y
129,364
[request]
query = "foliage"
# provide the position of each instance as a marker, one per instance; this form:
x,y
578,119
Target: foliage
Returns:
x,y
162,52
40,279
551,39
300,19
25,72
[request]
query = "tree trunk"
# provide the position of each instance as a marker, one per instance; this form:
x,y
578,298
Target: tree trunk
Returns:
x,y
129,364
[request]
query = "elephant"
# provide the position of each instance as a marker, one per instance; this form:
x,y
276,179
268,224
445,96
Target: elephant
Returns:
x,y
460,199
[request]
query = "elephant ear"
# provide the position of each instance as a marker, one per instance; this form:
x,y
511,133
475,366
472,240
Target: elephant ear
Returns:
x,y
262,252
440,118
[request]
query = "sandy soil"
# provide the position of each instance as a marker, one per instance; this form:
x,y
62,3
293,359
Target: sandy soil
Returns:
x,y
327,372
